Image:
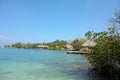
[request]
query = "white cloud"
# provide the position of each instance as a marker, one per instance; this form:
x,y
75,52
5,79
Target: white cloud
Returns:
x,y
6,40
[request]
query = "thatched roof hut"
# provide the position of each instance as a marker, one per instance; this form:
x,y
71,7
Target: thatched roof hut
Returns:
x,y
43,47
68,46
87,46
88,43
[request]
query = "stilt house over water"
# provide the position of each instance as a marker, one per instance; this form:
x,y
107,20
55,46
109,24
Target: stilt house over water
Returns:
x,y
87,46
43,47
68,46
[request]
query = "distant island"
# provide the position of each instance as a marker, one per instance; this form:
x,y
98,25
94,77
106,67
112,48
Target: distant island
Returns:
x,y
55,45
77,46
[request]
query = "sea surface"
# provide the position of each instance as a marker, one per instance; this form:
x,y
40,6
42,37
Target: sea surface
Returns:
x,y
33,64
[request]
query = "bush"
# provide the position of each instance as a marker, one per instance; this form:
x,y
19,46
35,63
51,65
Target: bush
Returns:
x,y
105,56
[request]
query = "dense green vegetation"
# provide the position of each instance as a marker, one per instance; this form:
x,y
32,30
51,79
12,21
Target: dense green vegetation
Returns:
x,y
105,56
22,45
57,45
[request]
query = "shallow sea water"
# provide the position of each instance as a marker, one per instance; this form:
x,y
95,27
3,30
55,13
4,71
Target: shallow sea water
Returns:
x,y
30,64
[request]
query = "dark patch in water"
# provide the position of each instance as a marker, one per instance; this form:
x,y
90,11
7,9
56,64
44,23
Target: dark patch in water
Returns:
x,y
71,69
4,58
78,71
3,73
61,65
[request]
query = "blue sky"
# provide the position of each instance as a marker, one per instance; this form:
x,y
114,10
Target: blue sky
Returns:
x,y
48,20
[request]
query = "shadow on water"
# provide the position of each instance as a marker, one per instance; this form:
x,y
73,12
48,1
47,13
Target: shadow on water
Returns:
x,y
83,72
86,72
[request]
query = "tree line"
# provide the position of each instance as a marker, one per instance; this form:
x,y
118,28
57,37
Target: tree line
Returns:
x,y
55,45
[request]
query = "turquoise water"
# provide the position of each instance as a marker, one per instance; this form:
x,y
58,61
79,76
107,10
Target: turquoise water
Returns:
x,y
30,64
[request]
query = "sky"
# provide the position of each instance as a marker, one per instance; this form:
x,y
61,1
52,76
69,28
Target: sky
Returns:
x,y
48,20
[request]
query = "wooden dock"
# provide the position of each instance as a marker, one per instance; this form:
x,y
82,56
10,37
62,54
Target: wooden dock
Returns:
x,y
76,52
